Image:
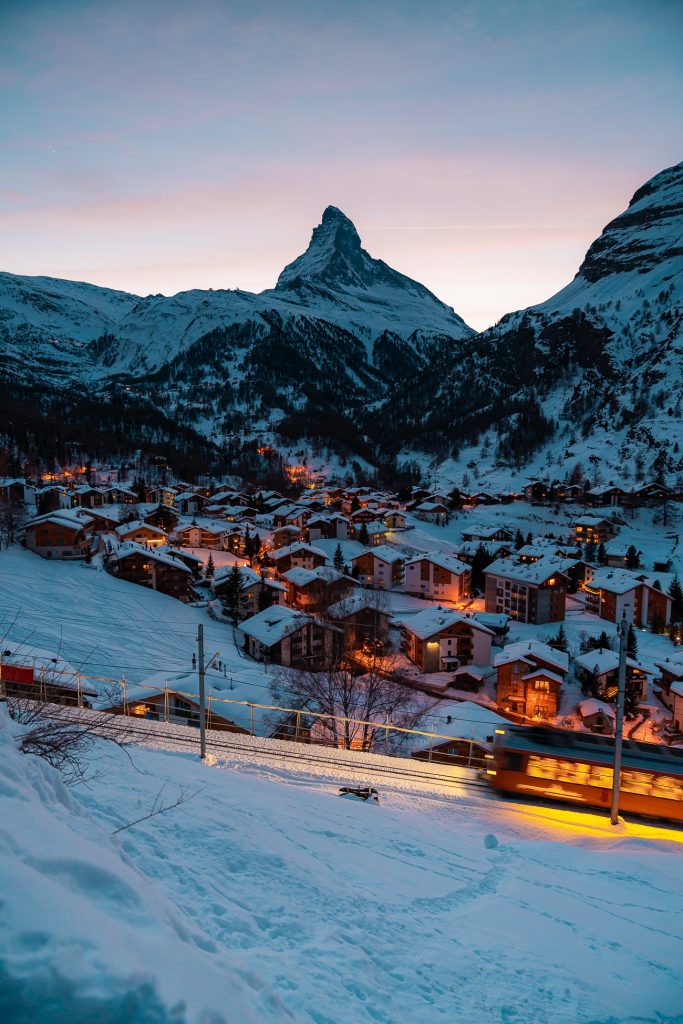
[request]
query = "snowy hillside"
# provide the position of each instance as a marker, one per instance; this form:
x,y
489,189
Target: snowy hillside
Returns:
x,y
265,897
593,375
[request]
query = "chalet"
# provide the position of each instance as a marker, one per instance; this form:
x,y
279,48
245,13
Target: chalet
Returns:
x,y
225,498
671,669
331,526
12,490
567,492
65,533
437,576
613,593
105,520
431,511
529,679
142,533
299,555
380,567
151,568
363,619
362,515
291,515
160,495
119,496
601,497
616,554
441,640
482,498
53,497
89,497
677,705
482,534
598,671
26,671
541,548
395,520
537,492
593,529
648,495
597,716
377,532
471,727
194,564
284,636
178,703
206,535
283,536
498,624
190,504
498,549
163,516
315,589
533,593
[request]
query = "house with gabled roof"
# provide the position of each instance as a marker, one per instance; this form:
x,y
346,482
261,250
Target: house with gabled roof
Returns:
x,y
438,576
613,593
142,532
315,589
380,566
299,555
529,679
284,636
153,568
441,639
66,533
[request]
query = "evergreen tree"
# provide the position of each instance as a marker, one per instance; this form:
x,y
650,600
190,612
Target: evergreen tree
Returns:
x,y
631,697
480,560
529,538
249,545
632,557
256,545
519,540
657,586
210,567
363,535
631,642
264,595
596,643
559,641
676,595
338,559
231,593
590,551
602,554
355,503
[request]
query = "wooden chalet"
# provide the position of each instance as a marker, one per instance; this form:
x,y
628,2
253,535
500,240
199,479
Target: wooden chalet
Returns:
x,y
151,568
442,640
62,534
529,679
380,567
437,576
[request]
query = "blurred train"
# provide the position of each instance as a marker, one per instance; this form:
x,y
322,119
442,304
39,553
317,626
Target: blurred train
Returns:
x,y
553,764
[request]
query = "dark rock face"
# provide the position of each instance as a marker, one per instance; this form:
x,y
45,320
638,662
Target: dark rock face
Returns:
x,y
647,233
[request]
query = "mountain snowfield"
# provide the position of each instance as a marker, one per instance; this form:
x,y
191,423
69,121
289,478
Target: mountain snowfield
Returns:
x,y
593,375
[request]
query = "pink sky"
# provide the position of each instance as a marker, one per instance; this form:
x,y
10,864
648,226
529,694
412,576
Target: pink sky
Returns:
x,y
477,152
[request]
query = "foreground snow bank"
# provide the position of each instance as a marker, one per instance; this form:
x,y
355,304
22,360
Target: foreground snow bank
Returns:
x,y
84,935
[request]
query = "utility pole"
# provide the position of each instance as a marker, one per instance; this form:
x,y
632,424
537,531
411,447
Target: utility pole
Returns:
x,y
619,725
202,670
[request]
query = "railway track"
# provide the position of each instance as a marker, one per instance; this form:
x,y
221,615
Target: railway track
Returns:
x,y
308,756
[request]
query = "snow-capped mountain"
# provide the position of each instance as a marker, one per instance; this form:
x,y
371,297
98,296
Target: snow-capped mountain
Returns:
x,y
593,375
335,283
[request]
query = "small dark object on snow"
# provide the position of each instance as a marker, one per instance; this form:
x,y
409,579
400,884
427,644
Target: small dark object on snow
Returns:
x,y
360,792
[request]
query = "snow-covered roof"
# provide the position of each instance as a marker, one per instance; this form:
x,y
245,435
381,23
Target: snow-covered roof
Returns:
x,y
293,549
248,576
621,581
492,620
532,651
382,553
530,572
673,664
131,547
448,562
602,661
435,619
216,528
483,532
591,521
358,602
74,518
272,625
302,577
463,719
470,547
592,706
138,524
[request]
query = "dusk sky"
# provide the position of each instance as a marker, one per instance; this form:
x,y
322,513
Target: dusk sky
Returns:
x,y
478,147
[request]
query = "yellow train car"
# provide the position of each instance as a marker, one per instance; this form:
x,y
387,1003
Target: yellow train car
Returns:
x,y
554,764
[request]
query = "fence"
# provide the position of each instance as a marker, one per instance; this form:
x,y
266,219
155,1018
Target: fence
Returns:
x,y
177,707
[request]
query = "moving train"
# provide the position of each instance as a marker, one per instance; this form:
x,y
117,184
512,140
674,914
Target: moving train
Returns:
x,y
553,764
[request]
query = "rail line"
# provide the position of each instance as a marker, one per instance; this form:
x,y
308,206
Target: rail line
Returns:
x,y
134,732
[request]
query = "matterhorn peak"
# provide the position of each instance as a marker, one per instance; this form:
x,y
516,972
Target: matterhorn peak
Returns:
x,y
334,256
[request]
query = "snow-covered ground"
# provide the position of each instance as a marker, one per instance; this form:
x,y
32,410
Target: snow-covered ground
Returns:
x,y
266,898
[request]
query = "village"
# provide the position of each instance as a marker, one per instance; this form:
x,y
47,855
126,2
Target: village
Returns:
x,y
456,612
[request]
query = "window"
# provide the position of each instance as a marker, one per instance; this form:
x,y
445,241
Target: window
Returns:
x,y
542,684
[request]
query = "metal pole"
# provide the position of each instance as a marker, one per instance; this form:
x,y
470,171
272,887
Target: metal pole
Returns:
x,y
200,664
619,725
